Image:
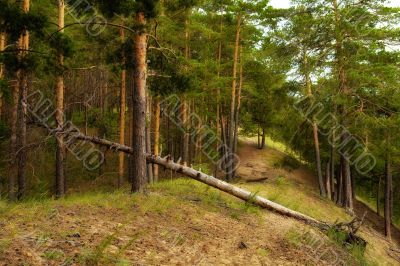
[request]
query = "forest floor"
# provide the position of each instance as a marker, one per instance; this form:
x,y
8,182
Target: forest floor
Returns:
x,y
183,222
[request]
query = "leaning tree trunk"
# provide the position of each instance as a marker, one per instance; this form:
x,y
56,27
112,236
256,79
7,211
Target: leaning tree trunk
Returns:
x,y
350,229
22,110
59,115
138,157
122,110
209,180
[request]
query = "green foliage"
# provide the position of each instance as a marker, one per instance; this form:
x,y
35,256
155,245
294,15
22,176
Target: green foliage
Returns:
x,y
14,21
123,7
123,55
62,44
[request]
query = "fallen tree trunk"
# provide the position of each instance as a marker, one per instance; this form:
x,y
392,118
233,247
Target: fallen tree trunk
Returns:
x,y
350,228
211,181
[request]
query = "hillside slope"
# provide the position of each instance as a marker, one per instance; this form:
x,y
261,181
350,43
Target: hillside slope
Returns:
x,y
182,222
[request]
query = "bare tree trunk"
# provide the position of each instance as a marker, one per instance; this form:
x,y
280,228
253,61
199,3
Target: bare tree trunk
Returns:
x,y
332,173
185,134
258,137
263,139
349,190
314,127
148,138
22,112
86,114
184,106
121,157
233,93
378,196
157,114
388,198
139,108
340,201
13,142
130,126
328,180
239,98
318,160
60,150
2,47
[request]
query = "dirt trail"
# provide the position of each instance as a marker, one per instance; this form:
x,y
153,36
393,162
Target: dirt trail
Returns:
x,y
259,165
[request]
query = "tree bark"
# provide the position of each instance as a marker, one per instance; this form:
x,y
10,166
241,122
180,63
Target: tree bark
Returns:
x,y
263,139
22,112
349,190
332,173
328,180
388,198
148,138
239,98
340,185
231,130
122,111
2,47
59,115
318,160
184,106
314,127
185,134
378,196
13,142
138,157
157,114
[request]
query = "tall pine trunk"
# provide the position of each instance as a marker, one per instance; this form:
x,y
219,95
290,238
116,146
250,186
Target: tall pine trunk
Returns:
x,y
22,110
138,157
148,138
233,97
122,110
332,173
2,47
239,98
13,142
60,150
184,105
314,127
157,114
218,113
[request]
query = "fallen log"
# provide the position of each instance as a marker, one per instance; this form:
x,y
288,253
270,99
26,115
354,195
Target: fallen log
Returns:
x,y
211,181
349,228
